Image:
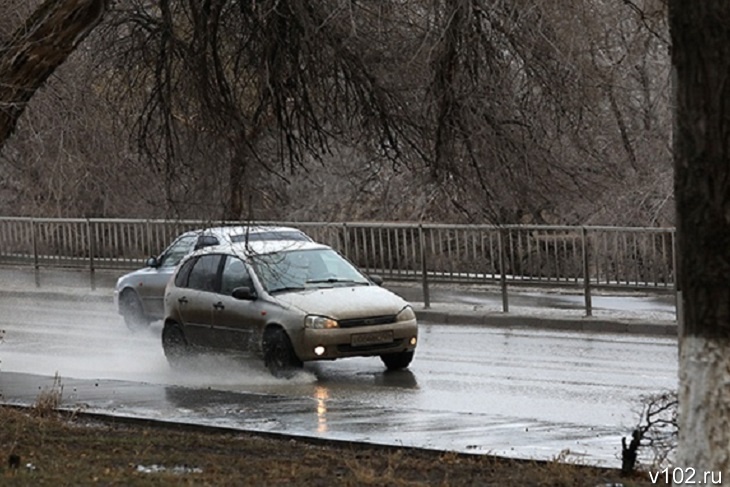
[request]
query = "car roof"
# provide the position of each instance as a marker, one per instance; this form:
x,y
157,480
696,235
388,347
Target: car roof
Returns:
x,y
229,231
236,229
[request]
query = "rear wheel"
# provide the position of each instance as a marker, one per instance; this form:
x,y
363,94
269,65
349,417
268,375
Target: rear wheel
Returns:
x,y
133,312
175,345
397,361
279,356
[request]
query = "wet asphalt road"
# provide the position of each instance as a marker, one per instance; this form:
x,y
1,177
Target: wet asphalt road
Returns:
x,y
514,392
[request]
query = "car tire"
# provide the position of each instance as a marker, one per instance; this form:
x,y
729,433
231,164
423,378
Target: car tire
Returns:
x,y
175,345
133,312
279,355
397,361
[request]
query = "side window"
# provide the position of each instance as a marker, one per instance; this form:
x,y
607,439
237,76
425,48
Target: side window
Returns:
x,y
204,273
181,279
206,241
177,250
234,275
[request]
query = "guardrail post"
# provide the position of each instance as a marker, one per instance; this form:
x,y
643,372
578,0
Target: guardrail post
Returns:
x,y
424,268
90,245
148,231
503,271
346,240
34,240
586,272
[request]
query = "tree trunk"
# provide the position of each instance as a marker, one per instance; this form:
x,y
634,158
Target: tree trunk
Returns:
x,y
701,61
37,48
235,190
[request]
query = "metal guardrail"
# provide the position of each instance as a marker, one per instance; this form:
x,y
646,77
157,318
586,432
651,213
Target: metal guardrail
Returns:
x,y
588,257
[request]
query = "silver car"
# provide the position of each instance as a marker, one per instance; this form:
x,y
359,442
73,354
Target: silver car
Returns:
x,y
138,295
288,302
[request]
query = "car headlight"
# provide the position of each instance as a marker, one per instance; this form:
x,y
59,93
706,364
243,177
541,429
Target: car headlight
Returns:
x,y
320,322
406,314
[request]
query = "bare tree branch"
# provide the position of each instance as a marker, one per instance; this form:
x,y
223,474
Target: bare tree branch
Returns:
x,y
37,48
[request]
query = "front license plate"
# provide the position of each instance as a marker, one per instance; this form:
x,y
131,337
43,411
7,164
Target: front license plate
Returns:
x,y
362,339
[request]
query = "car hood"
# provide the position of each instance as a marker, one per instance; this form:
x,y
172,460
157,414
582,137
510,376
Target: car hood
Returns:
x,y
132,276
345,302
135,276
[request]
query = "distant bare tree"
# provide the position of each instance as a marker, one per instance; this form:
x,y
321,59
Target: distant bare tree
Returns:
x,y
533,108
450,110
68,155
271,85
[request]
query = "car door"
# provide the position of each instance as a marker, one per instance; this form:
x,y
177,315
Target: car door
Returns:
x,y
196,302
236,321
151,285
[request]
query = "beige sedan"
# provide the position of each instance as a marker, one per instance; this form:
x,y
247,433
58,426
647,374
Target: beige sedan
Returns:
x,y
288,301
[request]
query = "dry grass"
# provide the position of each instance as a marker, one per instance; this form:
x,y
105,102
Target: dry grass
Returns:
x,y
63,449
49,399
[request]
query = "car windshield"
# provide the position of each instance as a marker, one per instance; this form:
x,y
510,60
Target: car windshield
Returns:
x,y
295,270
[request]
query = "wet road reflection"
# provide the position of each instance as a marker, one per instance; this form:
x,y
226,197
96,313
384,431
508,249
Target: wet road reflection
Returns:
x,y
515,392
321,394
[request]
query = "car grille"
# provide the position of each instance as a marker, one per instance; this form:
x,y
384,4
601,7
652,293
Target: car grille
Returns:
x,y
371,321
369,348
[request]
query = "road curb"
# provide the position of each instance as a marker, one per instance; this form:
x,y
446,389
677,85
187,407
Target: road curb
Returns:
x,y
584,324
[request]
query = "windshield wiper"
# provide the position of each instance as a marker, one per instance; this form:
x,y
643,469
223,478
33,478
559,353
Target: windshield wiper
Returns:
x,y
334,280
286,289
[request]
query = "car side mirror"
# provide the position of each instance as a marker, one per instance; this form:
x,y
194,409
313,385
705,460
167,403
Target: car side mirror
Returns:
x,y
243,293
376,279
152,262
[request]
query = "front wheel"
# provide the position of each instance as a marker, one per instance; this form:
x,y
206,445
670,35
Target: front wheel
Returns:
x,y
396,361
175,345
133,312
279,355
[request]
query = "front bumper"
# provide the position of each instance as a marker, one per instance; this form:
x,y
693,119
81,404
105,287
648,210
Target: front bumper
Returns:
x,y
364,341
